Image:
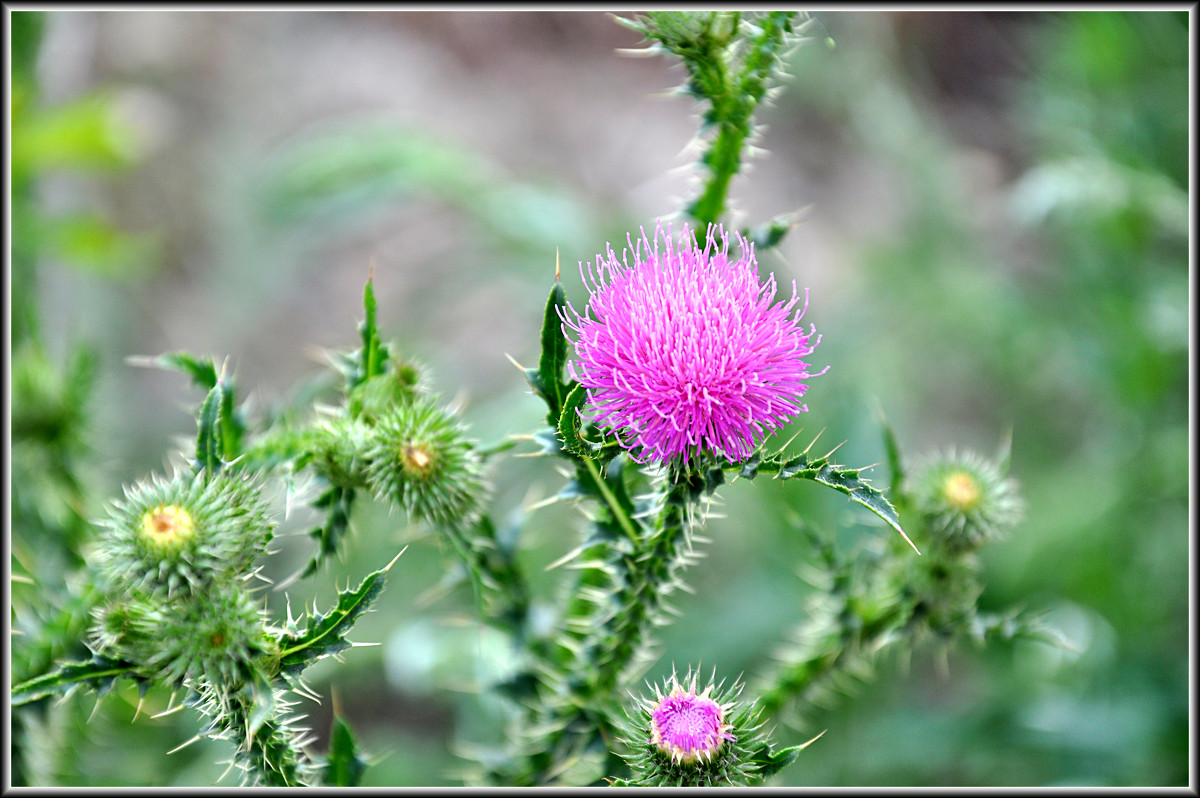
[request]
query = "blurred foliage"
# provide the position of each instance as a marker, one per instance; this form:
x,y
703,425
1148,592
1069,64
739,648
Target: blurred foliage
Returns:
x,y
1063,318
1070,325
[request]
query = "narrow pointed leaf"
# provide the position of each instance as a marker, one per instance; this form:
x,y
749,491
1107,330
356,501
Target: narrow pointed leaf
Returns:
x,y
547,380
202,371
374,353
895,463
208,441
860,491
820,470
337,503
343,766
98,673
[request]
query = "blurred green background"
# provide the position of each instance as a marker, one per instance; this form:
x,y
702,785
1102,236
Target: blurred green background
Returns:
x,y
995,234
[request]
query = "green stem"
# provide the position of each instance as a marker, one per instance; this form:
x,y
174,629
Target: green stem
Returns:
x,y
610,501
724,160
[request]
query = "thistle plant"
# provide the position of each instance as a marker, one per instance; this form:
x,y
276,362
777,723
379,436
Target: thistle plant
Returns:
x,y
663,386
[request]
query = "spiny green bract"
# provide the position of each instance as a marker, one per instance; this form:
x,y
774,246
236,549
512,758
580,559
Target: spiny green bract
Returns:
x,y
184,533
420,459
965,499
737,761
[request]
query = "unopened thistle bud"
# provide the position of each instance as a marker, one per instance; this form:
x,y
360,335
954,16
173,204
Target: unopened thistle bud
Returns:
x,y
214,638
183,533
421,461
214,635
694,738
966,500
402,384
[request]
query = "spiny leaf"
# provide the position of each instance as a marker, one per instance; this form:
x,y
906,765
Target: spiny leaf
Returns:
x,y
820,470
547,379
895,463
99,673
338,502
569,421
343,766
1016,626
374,354
202,371
860,491
325,633
768,234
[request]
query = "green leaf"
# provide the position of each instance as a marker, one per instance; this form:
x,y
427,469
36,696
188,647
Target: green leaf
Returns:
x,y
895,463
373,358
568,425
1013,625
338,502
203,373
771,762
325,634
343,767
547,380
99,673
820,470
768,234
860,491
209,446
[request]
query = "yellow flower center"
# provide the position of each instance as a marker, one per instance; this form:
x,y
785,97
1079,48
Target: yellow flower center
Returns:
x,y
167,526
961,491
416,459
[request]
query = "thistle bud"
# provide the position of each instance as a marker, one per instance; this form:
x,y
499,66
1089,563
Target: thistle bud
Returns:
x,y
184,533
214,639
420,460
966,500
213,636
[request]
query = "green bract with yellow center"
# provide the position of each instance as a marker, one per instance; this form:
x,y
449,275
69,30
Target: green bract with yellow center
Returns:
x,y
966,500
184,533
421,460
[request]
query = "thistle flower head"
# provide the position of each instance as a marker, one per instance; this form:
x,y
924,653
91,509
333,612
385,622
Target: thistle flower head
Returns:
x,y
966,499
688,726
695,738
184,532
685,351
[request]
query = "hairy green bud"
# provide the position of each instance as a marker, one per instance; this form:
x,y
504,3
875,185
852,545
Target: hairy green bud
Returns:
x,y
421,460
213,636
966,500
184,533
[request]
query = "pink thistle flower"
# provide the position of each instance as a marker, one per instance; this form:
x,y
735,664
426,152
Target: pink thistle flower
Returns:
x,y
686,352
686,726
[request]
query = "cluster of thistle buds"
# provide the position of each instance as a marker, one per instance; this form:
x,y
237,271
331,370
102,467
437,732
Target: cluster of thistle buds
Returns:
x,y
175,557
